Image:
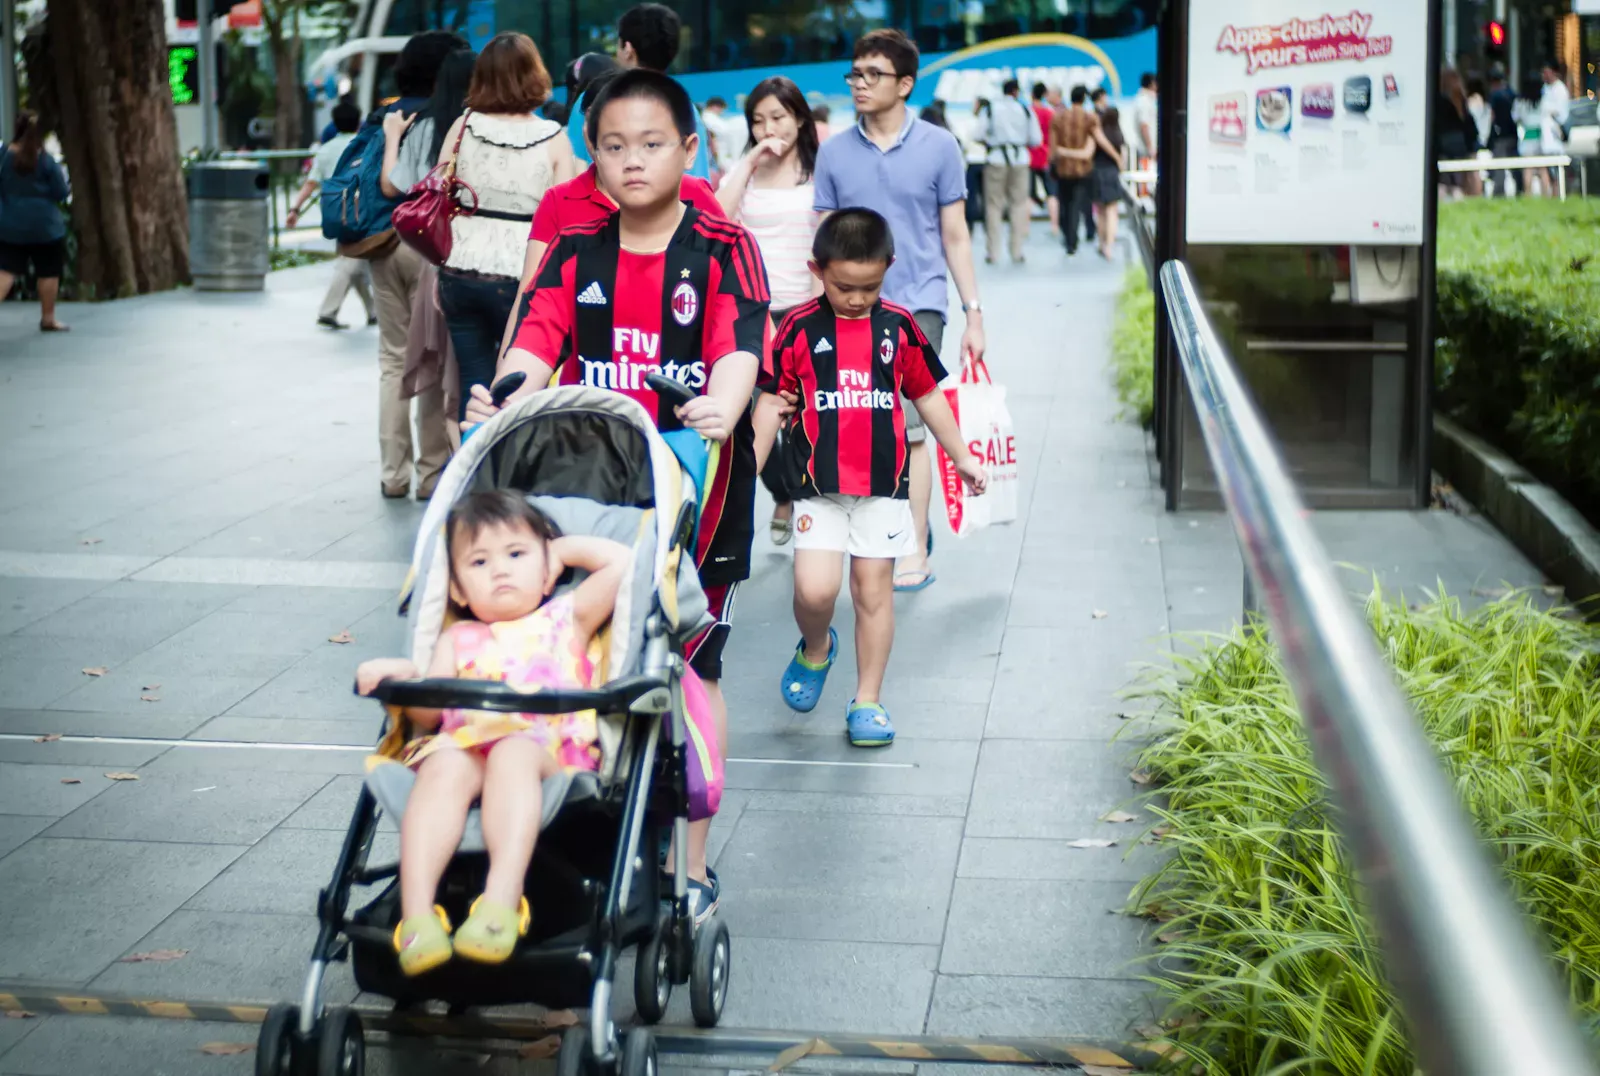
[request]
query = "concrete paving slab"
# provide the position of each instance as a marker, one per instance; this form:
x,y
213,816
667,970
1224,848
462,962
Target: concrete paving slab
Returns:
x,y
115,755
148,722
16,829
230,807
39,789
330,808
813,876
1047,1007
1050,789
1056,860
230,956
68,908
124,1046
24,601
283,872
790,984
935,767
1048,929
193,693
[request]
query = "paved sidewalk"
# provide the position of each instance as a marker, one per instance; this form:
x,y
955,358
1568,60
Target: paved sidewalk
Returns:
x,y
190,501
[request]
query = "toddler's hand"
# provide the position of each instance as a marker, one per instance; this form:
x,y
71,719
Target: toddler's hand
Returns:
x,y
791,403
976,477
709,417
372,673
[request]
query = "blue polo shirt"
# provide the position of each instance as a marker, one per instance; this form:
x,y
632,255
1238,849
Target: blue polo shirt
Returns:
x,y
908,183
700,166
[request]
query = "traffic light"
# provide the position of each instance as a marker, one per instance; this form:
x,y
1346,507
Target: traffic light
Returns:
x,y
1494,41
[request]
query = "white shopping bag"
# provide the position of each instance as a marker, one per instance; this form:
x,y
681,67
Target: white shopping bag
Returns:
x,y
985,422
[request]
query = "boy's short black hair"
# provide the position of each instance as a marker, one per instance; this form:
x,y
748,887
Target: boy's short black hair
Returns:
x,y
1147,80
647,84
1039,90
653,31
853,235
346,117
716,102
495,507
1098,92
1080,94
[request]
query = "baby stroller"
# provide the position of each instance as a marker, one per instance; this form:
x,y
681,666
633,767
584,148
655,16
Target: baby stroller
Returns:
x,y
594,462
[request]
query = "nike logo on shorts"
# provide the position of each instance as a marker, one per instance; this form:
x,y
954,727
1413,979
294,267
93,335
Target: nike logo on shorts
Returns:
x,y
896,534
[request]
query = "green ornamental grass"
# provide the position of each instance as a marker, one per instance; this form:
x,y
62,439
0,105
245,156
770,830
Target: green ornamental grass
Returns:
x,y
1267,960
1132,347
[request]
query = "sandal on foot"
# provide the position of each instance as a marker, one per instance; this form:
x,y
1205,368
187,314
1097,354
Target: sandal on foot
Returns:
x,y
802,681
781,530
923,579
492,931
868,725
423,942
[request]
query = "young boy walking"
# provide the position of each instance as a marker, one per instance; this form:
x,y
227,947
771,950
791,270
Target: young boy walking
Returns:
x,y
842,361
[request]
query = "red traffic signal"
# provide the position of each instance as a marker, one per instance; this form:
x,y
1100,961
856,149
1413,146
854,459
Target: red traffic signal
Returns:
x,y
1496,33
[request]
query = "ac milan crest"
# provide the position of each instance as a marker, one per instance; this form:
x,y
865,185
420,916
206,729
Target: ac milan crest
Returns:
x,y
685,303
886,350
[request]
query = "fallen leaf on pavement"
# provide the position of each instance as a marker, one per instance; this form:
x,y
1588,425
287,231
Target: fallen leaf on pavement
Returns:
x,y
342,638
71,781
793,1054
20,1014
123,776
1141,777
1099,614
1160,832
151,687
96,670
541,1049
90,541
49,737
154,956
1119,816
1169,937
561,1018
149,698
226,1049
1103,1070
1090,842
1148,1031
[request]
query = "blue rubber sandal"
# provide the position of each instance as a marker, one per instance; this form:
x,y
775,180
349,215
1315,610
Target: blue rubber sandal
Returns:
x,y
868,725
802,681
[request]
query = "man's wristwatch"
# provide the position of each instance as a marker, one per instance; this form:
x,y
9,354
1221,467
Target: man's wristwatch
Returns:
x,y
974,307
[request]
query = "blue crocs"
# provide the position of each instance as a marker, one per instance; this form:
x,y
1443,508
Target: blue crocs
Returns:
x,y
868,725
802,681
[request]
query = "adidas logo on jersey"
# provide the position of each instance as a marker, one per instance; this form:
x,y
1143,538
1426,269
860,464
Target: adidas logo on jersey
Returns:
x,y
592,295
822,346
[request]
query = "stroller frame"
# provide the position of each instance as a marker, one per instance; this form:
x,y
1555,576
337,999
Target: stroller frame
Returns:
x,y
649,786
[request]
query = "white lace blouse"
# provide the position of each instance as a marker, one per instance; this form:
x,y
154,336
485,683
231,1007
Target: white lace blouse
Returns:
x,y
507,164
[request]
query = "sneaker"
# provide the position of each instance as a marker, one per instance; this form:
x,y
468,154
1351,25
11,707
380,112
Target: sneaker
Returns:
x,y
704,897
330,323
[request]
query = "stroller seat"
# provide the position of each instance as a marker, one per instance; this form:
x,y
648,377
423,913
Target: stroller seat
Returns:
x,y
391,783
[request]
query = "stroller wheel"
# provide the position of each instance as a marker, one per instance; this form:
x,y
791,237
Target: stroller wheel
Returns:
x,y
275,1044
708,979
341,1044
639,1053
652,979
573,1059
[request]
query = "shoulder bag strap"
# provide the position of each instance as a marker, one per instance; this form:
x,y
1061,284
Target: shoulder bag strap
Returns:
x,y
455,151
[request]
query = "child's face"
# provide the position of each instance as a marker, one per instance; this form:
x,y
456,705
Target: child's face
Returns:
x,y
639,153
851,287
501,573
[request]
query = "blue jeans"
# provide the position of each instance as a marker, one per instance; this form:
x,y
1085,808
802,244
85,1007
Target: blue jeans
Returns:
x,y
476,309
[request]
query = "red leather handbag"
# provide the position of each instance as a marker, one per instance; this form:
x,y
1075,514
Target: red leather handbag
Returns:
x,y
423,219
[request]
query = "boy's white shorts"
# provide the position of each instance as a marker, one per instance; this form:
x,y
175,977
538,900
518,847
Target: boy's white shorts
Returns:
x,y
873,527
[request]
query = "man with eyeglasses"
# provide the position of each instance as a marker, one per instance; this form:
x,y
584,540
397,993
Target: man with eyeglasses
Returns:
x,y
914,174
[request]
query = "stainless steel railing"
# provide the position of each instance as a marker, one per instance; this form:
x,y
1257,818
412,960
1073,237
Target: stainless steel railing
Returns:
x,y
1470,976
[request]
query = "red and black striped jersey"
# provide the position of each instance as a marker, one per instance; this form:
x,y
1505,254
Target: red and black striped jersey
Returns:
x,y
605,317
848,433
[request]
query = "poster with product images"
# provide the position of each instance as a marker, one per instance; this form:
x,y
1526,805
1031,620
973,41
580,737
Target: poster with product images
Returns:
x,y
1307,123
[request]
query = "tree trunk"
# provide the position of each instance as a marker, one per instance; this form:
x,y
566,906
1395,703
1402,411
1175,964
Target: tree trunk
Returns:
x,y
286,74
119,137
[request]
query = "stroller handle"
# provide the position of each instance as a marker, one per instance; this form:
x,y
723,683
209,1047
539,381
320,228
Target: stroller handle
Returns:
x,y
670,389
446,693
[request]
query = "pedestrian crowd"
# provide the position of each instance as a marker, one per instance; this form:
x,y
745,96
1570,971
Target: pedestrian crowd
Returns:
x,y
794,276
1477,119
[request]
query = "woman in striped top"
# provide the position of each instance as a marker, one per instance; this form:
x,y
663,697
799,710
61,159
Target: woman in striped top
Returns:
x,y
770,192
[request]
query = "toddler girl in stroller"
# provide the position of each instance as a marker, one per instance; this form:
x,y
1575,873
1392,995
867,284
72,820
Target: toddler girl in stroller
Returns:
x,y
505,557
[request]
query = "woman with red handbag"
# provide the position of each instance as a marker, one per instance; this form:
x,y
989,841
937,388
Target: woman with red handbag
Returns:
x,y
470,216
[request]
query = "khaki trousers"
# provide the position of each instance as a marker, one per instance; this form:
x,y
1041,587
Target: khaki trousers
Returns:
x,y
1006,186
394,284
347,273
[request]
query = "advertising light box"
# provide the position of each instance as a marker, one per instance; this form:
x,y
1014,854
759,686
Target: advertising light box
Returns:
x,y
1307,126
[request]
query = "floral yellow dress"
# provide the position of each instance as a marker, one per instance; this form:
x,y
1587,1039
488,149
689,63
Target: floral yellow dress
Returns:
x,y
541,650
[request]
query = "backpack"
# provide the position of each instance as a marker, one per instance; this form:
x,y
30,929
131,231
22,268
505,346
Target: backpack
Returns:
x,y
355,211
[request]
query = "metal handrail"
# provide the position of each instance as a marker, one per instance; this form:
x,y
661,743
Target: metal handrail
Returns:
x,y
1480,997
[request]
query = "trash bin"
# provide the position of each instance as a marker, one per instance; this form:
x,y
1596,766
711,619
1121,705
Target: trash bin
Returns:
x,y
229,235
